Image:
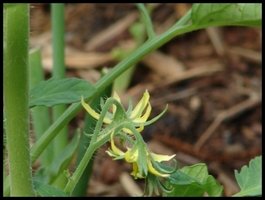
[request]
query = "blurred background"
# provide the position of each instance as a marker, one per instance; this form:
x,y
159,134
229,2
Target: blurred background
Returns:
x,y
210,79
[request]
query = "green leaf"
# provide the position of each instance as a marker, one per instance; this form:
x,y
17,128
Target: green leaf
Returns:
x,y
194,181
64,91
45,190
41,186
249,178
216,14
61,162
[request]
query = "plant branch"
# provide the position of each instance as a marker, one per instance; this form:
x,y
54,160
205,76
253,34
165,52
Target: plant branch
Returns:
x,y
57,11
57,17
16,90
147,21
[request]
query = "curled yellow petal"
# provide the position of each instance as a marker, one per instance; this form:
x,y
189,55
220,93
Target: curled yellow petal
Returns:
x,y
140,129
137,111
126,130
115,149
152,170
145,116
92,112
111,154
160,157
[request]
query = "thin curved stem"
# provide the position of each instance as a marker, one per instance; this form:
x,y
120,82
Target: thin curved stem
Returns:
x,y
147,21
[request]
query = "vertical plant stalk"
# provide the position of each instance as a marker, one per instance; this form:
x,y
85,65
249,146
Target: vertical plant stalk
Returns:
x,y
57,12
16,94
40,114
57,15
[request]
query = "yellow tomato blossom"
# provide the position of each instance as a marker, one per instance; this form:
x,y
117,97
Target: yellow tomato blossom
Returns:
x,y
139,114
143,161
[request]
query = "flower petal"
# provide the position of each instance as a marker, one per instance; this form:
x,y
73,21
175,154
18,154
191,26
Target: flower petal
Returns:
x,y
92,112
152,170
115,149
139,108
115,157
145,116
140,129
110,153
126,130
160,157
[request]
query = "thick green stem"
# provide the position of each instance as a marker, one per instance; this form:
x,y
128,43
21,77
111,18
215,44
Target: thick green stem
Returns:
x,y
148,47
16,90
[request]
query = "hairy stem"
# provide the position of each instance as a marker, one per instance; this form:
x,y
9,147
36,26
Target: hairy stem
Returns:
x,y
16,94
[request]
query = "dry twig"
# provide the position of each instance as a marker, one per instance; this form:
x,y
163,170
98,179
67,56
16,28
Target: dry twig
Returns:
x,y
216,40
159,61
111,32
246,53
174,96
